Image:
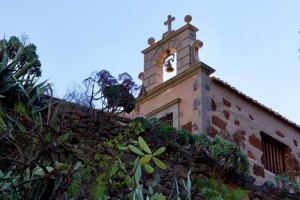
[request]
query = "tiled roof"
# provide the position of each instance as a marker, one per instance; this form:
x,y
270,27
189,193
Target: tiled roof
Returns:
x,y
255,102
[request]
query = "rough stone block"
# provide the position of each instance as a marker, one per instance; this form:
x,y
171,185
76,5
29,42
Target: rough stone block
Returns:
x,y
295,143
250,155
211,131
237,122
226,114
279,134
219,122
213,105
251,117
226,102
258,170
254,141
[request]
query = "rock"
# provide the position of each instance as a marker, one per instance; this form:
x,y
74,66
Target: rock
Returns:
x,y
258,170
219,122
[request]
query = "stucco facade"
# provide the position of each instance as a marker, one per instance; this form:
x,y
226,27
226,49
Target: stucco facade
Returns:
x,y
201,103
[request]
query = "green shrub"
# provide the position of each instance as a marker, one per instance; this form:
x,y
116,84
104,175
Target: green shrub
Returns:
x,y
284,184
226,156
211,194
212,189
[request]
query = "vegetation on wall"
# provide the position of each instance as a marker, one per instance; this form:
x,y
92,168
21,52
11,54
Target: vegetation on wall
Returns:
x,y
125,159
103,91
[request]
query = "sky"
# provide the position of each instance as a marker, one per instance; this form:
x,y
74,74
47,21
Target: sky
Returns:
x,y
252,45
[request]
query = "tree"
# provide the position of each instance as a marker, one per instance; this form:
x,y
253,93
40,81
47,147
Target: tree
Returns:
x,y
76,94
105,92
28,61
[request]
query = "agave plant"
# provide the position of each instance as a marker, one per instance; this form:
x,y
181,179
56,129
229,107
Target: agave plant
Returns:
x,y
17,83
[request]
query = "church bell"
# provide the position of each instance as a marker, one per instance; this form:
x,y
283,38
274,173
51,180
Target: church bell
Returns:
x,y
169,67
167,61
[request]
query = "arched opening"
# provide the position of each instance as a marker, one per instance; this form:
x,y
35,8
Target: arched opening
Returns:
x,y
167,74
168,63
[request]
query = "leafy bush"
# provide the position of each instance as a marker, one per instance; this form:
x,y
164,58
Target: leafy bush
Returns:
x,y
226,156
212,189
285,185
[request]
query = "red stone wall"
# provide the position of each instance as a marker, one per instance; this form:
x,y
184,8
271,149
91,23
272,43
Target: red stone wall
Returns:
x,y
242,122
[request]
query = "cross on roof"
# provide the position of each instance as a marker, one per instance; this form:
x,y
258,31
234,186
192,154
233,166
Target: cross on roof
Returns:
x,y
169,23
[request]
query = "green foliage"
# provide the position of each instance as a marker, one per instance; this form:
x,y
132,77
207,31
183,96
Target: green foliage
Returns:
x,y
227,157
211,194
35,156
28,56
239,194
98,191
119,95
284,184
268,186
188,185
130,133
146,159
74,189
212,189
144,156
137,187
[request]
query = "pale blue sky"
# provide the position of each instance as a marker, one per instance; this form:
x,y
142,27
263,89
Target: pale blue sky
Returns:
x,y
253,45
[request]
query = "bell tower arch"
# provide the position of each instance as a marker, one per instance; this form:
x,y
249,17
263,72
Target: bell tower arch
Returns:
x,y
183,42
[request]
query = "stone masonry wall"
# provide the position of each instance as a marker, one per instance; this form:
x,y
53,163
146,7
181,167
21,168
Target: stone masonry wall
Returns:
x,y
232,115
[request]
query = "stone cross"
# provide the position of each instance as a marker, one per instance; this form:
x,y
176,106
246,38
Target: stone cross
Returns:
x,y
169,23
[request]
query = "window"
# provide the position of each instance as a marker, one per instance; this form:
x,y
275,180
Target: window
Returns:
x,y
273,154
168,118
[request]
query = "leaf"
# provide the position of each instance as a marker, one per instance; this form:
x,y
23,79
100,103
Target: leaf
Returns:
x,y
159,151
139,192
155,180
159,163
157,196
127,180
67,137
38,171
74,189
149,168
60,166
49,137
78,165
138,174
136,163
135,150
145,159
144,145
121,148
150,189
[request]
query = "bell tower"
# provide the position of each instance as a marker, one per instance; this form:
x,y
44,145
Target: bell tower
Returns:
x,y
181,42
183,98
